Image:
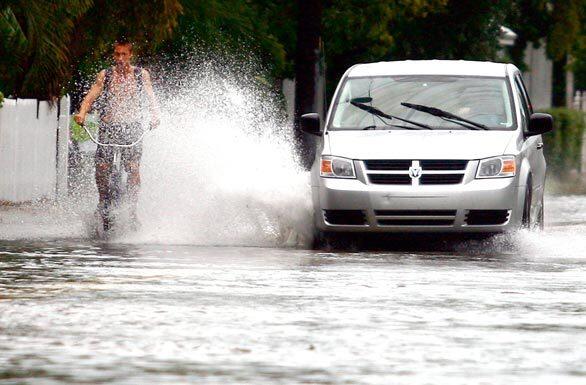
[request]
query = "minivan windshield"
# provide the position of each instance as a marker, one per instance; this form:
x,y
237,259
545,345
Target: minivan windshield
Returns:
x,y
464,103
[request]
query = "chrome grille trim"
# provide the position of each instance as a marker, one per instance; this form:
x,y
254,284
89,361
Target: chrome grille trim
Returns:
x,y
444,165
431,172
386,165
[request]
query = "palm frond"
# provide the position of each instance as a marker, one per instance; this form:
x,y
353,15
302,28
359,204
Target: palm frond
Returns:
x,y
38,37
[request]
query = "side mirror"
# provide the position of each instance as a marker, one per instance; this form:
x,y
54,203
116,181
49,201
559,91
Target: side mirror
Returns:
x,y
539,124
310,123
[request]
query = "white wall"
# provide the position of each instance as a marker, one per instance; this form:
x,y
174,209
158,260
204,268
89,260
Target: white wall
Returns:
x,y
539,77
33,149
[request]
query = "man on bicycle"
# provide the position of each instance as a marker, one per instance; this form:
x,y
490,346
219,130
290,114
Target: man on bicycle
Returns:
x,y
125,100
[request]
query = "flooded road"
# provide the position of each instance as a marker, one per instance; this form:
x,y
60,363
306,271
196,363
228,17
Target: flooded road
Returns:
x,y
511,310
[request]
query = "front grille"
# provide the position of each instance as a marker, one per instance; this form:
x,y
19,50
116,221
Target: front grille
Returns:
x,y
431,171
487,217
390,179
415,217
441,178
387,165
444,165
345,217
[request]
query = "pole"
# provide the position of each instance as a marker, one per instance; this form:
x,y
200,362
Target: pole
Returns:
x,y
307,57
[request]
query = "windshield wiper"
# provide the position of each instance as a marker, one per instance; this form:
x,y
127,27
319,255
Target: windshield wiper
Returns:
x,y
377,112
445,114
389,126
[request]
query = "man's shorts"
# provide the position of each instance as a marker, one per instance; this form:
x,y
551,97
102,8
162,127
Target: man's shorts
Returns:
x,y
119,134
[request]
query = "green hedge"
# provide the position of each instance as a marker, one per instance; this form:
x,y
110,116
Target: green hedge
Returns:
x,y
563,146
78,134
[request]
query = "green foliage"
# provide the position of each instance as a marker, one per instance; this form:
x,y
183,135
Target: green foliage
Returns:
x,y
43,43
1,99
531,21
462,29
146,23
233,28
563,149
78,134
362,31
34,45
579,65
568,17
357,31
40,42
559,23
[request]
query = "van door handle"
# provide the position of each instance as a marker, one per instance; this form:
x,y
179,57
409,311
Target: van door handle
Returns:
x,y
539,146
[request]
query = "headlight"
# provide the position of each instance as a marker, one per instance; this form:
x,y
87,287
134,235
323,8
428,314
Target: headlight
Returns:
x,y
497,167
334,167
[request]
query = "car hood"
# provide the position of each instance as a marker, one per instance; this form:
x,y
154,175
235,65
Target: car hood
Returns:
x,y
398,144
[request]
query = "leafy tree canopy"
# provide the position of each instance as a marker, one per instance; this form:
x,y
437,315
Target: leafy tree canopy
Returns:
x,y
42,44
234,27
34,44
41,41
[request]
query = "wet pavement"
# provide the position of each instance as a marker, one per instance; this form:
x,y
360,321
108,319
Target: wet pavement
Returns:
x,y
510,310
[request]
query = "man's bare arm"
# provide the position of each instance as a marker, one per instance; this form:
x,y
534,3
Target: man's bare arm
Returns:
x,y
91,97
153,103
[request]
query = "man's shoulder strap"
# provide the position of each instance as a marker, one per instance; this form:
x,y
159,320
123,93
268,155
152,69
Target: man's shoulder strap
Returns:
x,y
108,77
110,71
138,75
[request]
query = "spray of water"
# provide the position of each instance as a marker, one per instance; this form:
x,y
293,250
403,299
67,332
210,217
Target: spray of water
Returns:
x,y
563,237
221,169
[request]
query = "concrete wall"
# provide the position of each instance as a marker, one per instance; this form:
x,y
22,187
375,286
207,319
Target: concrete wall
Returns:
x,y
33,149
539,77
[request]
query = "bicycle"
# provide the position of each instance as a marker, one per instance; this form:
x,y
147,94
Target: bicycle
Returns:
x,y
113,208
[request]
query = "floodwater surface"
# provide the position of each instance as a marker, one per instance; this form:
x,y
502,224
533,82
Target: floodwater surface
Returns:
x,y
510,310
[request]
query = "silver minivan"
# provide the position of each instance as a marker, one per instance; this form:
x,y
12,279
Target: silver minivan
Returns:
x,y
429,146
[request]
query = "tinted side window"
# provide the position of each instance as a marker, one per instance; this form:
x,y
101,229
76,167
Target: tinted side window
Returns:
x,y
524,106
524,92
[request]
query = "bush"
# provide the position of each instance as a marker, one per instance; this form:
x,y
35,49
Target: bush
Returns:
x,y
563,146
78,134
1,98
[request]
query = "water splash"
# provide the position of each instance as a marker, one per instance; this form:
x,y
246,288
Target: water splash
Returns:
x,y
563,237
221,169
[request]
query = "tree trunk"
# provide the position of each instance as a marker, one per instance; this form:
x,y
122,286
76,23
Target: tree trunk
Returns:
x,y
569,82
307,73
559,83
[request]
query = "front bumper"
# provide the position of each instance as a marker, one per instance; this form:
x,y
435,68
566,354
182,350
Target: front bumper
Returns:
x,y
421,208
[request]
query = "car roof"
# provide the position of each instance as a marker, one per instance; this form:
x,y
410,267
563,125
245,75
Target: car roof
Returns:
x,y
430,67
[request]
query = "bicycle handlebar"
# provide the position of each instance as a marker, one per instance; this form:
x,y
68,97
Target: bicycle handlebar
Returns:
x,y
114,144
